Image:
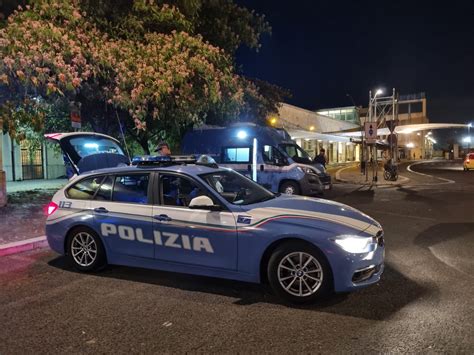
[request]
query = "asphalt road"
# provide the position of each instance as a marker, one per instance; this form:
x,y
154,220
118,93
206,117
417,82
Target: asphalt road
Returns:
x,y
424,302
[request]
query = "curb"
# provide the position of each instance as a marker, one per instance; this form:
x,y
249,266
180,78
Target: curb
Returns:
x,y
402,180
23,245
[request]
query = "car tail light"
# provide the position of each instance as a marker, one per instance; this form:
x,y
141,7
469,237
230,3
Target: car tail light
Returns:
x,y
50,208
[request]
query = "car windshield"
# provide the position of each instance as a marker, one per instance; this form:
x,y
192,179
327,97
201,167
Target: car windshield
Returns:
x,y
296,153
236,188
85,146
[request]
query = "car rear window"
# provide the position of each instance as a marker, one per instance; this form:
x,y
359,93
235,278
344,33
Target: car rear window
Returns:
x,y
85,189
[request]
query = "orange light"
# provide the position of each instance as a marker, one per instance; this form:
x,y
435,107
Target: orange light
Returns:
x,y
311,128
273,120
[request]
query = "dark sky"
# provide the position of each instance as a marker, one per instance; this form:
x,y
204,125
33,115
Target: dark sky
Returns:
x,y
321,50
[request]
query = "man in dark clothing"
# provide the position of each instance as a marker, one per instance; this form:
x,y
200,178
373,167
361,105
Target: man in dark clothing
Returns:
x,y
320,158
163,149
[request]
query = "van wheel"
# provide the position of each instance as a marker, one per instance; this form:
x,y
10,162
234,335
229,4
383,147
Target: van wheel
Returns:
x,y
299,273
290,188
85,250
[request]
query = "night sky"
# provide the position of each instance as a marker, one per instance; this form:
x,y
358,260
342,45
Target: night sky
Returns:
x,y
322,50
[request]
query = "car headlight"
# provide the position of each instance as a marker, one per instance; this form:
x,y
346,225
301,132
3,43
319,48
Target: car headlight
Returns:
x,y
355,244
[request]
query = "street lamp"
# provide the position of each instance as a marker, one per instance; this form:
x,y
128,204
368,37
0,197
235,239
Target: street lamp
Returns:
x,y
378,92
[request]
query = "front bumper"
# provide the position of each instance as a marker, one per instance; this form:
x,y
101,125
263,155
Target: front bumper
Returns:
x,y
311,185
354,271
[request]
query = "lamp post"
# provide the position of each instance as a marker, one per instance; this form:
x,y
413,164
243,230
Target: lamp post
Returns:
x,y
362,161
469,135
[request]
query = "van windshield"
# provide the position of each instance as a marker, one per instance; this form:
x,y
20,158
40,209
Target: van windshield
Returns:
x,y
236,188
296,153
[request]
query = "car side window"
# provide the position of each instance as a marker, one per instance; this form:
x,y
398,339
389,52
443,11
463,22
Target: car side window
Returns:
x,y
85,189
105,190
131,188
178,190
272,155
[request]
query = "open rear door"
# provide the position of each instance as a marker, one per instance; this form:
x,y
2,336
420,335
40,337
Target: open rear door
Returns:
x,y
86,151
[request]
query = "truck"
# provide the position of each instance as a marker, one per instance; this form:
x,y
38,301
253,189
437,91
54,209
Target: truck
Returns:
x,y
266,154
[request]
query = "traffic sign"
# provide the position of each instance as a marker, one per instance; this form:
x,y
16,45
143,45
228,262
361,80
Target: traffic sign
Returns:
x,y
370,132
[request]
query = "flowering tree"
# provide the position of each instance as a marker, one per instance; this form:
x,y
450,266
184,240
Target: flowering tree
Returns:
x,y
148,81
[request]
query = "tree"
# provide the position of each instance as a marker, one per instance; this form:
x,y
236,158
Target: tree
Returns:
x,y
140,64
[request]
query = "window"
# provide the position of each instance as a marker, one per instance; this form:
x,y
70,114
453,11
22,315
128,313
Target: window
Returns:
x,y
85,189
131,188
272,155
236,155
178,190
85,146
236,188
105,189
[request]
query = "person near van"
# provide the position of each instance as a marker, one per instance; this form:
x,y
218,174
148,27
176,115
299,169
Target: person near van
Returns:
x,y
321,158
163,149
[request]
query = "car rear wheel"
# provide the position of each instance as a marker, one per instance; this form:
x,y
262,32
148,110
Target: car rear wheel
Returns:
x,y
85,250
299,273
290,188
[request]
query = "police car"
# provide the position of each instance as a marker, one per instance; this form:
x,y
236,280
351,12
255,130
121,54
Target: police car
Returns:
x,y
181,215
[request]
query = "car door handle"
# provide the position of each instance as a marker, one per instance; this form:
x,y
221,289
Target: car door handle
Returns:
x,y
162,217
101,210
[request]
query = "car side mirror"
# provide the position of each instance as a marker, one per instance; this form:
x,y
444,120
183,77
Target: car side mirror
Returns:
x,y
204,203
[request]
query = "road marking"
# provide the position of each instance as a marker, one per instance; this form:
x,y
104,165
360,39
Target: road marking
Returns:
x,y
447,181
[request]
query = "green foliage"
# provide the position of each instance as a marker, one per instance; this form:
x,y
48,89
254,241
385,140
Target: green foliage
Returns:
x,y
155,68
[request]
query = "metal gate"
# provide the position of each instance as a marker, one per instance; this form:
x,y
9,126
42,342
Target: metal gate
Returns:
x,y
32,163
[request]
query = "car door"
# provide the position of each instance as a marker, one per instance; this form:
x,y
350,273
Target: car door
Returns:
x,y
192,236
269,174
123,214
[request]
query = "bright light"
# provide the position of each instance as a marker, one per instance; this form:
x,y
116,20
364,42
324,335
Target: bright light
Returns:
x,y
311,128
430,133
378,92
470,125
410,145
242,135
273,120
355,244
306,139
51,208
91,145
418,134
467,139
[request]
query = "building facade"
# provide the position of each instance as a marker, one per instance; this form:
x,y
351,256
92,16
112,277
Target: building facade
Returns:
x,y
22,162
311,130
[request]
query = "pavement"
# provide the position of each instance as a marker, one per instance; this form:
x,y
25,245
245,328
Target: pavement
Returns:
x,y
423,303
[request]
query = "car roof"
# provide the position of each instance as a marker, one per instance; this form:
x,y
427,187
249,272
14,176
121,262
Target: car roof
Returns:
x,y
190,169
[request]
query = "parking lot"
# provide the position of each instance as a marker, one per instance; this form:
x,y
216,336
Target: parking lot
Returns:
x,y
424,302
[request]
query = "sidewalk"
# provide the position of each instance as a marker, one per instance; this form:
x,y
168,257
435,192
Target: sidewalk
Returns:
x,y
22,220
352,175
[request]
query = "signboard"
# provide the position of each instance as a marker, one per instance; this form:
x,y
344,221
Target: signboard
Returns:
x,y
391,125
75,116
370,132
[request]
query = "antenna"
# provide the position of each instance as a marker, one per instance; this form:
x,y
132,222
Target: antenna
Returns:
x,y
123,136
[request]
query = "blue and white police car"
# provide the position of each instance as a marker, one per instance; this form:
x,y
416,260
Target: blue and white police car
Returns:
x,y
179,215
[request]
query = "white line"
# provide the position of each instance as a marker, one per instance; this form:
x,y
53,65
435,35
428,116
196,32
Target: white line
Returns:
x,y
448,181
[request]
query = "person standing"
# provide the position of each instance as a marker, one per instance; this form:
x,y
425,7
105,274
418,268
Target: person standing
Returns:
x,y
321,157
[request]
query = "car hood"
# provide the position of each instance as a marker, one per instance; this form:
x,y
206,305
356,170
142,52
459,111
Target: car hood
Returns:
x,y
286,206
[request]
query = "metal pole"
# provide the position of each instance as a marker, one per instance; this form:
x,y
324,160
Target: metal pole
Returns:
x,y
254,160
3,178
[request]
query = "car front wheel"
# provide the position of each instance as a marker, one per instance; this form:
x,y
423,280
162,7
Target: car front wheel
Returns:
x,y
85,250
299,273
